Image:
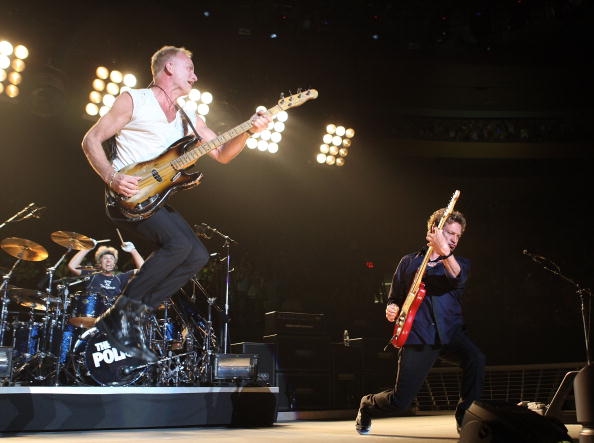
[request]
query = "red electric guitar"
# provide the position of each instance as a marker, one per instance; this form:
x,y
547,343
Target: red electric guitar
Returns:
x,y
417,291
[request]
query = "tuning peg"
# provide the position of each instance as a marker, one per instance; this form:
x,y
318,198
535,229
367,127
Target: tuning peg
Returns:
x,y
282,95
298,90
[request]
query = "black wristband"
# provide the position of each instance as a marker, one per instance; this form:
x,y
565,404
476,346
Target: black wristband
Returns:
x,y
441,257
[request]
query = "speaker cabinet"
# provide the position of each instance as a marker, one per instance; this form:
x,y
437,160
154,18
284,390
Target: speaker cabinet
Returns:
x,y
300,353
299,391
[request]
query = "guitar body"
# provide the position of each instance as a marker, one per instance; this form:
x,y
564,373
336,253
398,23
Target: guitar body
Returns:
x,y
405,319
162,182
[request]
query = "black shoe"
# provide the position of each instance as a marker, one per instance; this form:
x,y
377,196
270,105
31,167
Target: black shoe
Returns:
x,y
122,325
363,421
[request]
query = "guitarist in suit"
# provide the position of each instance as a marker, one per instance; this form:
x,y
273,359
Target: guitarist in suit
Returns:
x,y
144,123
438,327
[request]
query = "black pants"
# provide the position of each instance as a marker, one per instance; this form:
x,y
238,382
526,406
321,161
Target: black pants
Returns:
x,y
179,256
414,364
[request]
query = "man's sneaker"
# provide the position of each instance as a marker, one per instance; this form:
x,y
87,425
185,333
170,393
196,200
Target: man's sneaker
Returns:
x,y
363,421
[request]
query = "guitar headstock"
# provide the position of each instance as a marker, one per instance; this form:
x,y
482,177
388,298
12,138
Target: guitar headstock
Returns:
x,y
449,209
297,99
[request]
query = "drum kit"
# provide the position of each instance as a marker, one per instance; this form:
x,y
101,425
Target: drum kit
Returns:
x,y
52,336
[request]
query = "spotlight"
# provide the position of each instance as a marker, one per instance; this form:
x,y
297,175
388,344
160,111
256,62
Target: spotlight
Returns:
x,y
196,102
269,139
107,85
335,147
11,67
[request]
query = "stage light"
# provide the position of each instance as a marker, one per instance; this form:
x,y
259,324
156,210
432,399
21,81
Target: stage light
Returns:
x,y
21,52
268,140
196,102
92,109
336,142
112,88
116,76
107,85
130,80
252,143
11,67
102,72
18,65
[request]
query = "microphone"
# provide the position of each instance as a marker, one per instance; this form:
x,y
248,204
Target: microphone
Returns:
x,y
203,232
537,258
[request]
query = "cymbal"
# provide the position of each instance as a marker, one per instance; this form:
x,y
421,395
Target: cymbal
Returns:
x,y
89,268
23,249
28,298
72,240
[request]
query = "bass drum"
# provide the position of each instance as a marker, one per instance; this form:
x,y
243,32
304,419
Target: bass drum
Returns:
x,y
97,362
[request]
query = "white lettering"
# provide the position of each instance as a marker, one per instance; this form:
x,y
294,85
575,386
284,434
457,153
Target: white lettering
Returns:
x,y
97,358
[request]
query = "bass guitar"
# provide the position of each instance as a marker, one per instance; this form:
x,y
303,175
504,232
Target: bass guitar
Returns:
x,y
416,293
167,173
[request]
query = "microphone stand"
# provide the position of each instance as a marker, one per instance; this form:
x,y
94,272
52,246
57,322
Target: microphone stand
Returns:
x,y
30,211
206,368
227,245
583,380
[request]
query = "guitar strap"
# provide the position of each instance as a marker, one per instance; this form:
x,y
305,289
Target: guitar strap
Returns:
x,y
188,121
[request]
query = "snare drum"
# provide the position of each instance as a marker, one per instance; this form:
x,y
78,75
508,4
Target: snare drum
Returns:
x,y
97,362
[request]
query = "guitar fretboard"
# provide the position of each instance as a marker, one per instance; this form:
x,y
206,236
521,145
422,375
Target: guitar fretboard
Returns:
x,y
189,158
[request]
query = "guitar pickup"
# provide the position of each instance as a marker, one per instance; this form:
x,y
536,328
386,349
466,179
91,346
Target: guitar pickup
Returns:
x,y
156,175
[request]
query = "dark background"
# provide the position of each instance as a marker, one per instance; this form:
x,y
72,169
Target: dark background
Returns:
x,y
492,98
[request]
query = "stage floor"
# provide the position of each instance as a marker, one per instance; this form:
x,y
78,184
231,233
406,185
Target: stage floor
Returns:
x,y
434,428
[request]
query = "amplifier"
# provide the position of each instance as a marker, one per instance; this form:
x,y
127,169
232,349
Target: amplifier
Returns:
x,y
235,366
266,359
300,353
294,323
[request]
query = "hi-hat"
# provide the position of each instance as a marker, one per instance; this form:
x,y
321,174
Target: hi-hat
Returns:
x,y
72,240
28,298
23,249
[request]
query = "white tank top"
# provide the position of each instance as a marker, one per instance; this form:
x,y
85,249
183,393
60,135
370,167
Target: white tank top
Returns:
x,y
148,133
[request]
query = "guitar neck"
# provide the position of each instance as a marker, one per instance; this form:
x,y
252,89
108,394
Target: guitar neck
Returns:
x,y
189,158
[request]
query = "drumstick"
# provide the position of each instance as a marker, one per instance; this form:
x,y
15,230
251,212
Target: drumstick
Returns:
x,y
120,235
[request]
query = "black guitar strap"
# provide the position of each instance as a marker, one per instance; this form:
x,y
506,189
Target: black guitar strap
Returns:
x,y
188,121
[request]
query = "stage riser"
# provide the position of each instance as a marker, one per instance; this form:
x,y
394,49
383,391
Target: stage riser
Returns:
x,y
63,411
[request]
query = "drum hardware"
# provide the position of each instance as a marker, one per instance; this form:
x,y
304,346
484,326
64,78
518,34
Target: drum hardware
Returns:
x,y
21,249
32,210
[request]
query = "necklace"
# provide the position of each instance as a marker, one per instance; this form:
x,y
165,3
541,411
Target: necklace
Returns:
x,y
166,95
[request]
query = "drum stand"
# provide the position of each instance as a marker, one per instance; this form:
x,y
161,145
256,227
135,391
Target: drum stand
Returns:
x,y
4,310
5,301
51,319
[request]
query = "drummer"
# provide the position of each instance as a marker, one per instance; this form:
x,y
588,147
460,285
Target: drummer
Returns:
x,y
107,281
